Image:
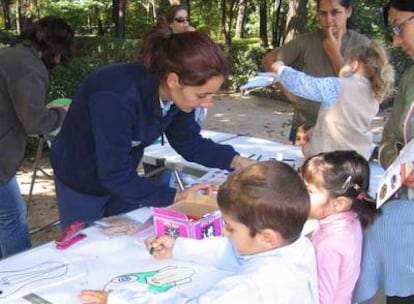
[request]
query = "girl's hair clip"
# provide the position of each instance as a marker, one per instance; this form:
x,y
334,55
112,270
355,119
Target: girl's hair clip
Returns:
x,y
346,184
362,196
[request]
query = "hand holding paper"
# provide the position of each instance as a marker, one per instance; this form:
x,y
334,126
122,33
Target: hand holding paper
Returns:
x,y
260,81
400,173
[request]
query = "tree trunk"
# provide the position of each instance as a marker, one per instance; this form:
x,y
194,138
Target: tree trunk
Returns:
x,y
277,31
37,8
263,23
23,15
18,29
119,10
96,11
295,24
6,14
227,20
223,20
241,17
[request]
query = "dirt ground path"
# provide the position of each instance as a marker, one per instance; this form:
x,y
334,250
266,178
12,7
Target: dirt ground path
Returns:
x,y
244,115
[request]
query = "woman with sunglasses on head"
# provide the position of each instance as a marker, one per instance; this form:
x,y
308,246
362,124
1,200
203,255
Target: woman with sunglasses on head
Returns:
x,y
177,19
388,254
318,53
122,108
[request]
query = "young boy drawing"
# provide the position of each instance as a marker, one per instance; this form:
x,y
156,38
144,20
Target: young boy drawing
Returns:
x,y
264,207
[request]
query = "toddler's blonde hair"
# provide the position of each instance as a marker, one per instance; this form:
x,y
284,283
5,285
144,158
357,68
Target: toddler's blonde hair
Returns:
x,y
377,66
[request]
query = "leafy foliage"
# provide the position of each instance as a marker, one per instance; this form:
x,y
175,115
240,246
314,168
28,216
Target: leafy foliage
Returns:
x,y
92,52
92,18
245,58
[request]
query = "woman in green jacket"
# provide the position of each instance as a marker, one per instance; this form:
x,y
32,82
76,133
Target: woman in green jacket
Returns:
x,y
388,250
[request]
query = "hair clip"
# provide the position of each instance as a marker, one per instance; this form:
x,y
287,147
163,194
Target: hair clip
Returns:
x,y
71,235
345,185
362,196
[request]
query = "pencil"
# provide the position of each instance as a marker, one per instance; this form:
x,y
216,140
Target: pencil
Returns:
x,y
151,250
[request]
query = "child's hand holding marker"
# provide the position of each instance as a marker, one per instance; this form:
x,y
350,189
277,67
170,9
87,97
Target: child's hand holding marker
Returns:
x,y
160,247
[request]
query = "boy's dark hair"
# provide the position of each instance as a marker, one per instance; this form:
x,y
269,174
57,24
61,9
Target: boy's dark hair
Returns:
x,y
343,173
52,36
266,195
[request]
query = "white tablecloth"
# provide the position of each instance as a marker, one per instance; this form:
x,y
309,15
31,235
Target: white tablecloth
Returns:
x,y
256,148
58,276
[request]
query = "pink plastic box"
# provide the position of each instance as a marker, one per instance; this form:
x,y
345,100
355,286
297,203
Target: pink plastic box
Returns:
x,y
197,218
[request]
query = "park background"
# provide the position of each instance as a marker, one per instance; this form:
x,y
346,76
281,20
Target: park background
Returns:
x,y
110,31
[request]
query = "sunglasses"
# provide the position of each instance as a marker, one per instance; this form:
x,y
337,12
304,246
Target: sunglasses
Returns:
x,y
181,19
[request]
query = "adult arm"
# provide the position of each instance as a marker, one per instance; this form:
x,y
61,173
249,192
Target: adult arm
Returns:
x,y
29,95
393,134
392,141
322,89
184,136
290,53
113,117
332,47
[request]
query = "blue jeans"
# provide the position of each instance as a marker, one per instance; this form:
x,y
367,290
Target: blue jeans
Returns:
x,y
14,231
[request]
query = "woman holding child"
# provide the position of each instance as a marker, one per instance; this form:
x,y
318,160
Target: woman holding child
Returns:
x,y
318,54
349,103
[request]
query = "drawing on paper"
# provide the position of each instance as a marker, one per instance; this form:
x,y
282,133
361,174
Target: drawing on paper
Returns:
x,y
13,281
157,281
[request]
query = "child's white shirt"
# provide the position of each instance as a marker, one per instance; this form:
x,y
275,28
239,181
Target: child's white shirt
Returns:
x,y
284,275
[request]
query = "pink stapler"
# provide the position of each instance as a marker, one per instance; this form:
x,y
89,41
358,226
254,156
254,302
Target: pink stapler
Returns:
x,y
71,235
